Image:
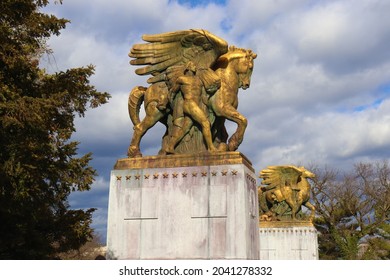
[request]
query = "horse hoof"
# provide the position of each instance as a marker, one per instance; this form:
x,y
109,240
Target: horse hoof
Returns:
x,y
134,155
265,218
223,147
213,150
169,151
133,152
232,146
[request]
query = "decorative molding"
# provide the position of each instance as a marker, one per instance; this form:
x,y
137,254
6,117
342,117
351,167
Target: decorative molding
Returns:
x,y
285,224
183,160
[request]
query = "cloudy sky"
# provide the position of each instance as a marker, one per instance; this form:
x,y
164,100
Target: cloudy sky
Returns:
x,y
320,89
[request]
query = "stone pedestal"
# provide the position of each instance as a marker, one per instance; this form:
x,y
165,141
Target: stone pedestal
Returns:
x,y
183,207
288,241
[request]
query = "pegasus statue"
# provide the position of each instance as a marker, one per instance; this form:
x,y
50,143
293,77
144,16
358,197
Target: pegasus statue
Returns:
x,y
283,191
194,81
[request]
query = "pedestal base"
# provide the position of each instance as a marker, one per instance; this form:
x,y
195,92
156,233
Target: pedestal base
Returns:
x,y
288,241
174,207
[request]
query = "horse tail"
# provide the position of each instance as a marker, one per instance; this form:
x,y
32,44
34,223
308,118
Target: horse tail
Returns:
x,y
136,97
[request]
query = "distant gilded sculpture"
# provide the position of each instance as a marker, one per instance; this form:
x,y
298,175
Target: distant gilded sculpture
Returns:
x,y
193,89
283,190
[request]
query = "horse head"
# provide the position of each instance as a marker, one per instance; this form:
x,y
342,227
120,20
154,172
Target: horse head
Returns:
x,y
245,79
241,60
306,173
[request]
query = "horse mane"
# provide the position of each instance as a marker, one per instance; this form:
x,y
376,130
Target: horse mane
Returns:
x,y
246,51
233,53
234,49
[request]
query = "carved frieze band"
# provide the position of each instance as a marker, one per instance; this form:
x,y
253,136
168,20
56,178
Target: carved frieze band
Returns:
x,y
287,230
176,175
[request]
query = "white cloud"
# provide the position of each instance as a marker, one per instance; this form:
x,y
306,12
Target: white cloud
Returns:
x,y
246,16
342,35
332,138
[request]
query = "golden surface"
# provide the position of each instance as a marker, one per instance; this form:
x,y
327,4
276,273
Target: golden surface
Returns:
x,y
284,224
284,189
194,84
201,159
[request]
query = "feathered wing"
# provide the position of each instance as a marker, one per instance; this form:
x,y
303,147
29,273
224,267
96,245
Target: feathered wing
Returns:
x,y
276,176
165,55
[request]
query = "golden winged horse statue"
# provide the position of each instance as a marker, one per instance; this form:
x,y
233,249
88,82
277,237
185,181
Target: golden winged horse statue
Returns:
x,y
195,78
286,183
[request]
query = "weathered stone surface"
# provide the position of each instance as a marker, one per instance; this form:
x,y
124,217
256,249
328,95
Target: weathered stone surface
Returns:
x,y
288,242
183,212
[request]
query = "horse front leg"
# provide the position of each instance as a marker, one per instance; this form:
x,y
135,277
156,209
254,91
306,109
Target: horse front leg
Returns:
x,y
220,134
312,209
232,114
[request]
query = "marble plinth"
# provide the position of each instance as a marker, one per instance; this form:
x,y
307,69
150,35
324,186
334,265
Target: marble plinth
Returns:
x,y
288,241
183,207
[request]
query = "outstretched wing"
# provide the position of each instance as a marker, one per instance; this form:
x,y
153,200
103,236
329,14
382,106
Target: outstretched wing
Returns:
x,y
166,54
276,176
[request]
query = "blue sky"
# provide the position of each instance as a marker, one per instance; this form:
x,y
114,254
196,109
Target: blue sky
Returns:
x,y
319,92
195,3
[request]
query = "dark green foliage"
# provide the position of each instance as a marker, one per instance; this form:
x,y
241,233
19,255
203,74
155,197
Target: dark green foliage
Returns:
x,y
39,166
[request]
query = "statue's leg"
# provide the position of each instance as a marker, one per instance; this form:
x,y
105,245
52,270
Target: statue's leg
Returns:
x,y
231,113
272,201
293,205
220,134
133,150
165,138
153,115
197,114
298,200
178,134
312,209
263,205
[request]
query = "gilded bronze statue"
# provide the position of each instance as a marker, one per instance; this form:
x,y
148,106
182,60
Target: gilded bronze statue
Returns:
x,y
194,83
190,86
283,191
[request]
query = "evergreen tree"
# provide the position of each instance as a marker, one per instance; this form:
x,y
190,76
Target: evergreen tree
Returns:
x,y
39,165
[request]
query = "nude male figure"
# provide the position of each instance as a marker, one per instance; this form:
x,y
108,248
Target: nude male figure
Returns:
x,y
191,87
